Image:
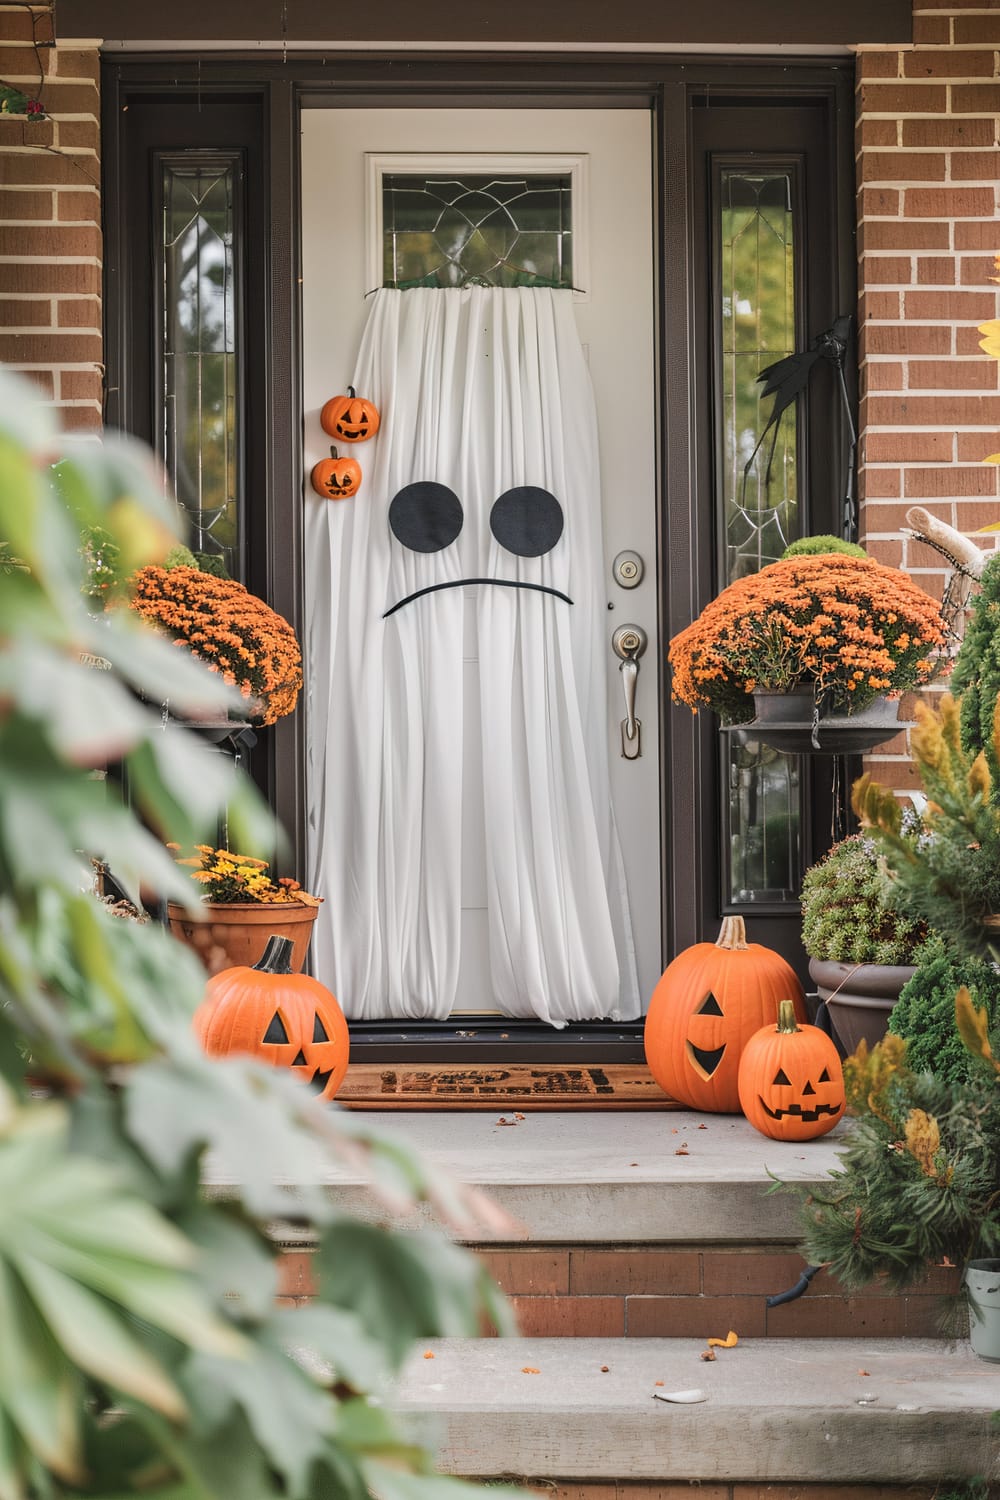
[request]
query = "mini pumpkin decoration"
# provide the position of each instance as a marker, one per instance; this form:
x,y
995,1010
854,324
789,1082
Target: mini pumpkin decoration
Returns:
x,y
335,478
790,1080
350,418
268,1012
706,1007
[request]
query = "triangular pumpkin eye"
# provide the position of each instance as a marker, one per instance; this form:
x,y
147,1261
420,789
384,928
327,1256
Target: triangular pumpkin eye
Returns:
x,y
276,1030
782,1077
319,1031
709,1006
824,1077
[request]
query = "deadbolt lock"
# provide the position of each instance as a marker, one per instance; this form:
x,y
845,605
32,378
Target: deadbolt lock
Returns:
x,y
628,569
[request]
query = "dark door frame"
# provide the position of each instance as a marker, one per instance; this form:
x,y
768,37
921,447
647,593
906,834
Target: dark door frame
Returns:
x,y
284,86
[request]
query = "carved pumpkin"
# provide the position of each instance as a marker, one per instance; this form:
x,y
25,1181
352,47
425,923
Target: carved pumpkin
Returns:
x,y
790,1080
350,418
266,1011
335,478
706,1007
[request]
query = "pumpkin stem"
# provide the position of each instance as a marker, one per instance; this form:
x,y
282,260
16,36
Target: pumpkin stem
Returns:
x,y
733,934
786,1017
351,392
334,453
276,957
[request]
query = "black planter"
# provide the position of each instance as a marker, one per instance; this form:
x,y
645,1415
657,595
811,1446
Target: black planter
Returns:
x,y
859,997
785,722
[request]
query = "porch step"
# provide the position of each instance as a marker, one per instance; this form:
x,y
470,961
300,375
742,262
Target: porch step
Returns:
x,y
832,1412
643,1225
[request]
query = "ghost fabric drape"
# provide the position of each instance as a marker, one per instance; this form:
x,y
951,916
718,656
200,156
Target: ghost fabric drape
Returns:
x,y
485,470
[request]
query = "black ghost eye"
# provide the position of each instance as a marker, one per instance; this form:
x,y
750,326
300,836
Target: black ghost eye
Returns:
x,y
276,1030
426,516
782,1077
527,521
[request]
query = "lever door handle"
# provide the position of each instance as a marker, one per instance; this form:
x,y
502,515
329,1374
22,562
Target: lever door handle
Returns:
x,y
628,643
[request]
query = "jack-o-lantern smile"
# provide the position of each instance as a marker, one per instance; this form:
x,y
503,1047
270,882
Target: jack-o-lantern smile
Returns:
x,y
427,517
309,1057
814,1110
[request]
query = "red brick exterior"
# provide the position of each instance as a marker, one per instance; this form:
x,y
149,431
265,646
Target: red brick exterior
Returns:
x,y
50,217
686,1291
928,174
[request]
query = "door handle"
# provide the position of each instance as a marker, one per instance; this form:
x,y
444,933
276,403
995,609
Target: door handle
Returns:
x,y
628,643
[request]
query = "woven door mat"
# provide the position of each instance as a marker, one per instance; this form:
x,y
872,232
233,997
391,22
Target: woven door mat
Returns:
x,y
501,1086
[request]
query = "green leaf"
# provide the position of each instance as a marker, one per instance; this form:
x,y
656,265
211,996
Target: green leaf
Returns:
x,y
333,1337
39,1389
390,1483
95,1339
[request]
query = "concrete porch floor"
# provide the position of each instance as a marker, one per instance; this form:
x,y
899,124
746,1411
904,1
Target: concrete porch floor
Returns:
x,y
592,1177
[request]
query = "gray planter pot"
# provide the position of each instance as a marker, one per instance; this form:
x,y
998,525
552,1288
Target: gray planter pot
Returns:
x,y
982,1281
859,997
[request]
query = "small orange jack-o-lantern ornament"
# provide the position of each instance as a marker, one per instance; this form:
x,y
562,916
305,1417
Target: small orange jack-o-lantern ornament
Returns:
x,y
335,478
350,418
268,1012
706,1007
790,1080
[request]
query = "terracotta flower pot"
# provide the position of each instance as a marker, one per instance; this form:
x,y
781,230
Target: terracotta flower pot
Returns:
x,y
859,997
237,932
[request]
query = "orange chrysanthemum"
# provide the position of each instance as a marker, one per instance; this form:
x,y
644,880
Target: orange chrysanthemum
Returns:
x,y
234,633
849,627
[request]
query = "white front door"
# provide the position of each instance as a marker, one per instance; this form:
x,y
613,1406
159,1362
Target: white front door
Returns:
x,y
343,151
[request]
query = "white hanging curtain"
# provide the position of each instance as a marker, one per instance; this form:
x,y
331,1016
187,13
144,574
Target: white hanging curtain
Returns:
x,y
485,397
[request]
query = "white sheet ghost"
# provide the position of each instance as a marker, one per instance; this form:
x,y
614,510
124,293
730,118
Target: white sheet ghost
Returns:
x,y
485,470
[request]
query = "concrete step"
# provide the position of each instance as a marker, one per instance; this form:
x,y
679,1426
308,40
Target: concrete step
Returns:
x,y
831,1412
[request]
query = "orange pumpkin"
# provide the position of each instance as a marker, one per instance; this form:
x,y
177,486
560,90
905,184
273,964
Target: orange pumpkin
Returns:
x,y
350,418
335,478
790,1080
266,1011
706,1007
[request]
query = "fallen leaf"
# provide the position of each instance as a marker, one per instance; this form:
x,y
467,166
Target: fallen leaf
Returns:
x,y
428,1354
633,1163
517,1116
657,1382
682,1151
502,1121
864,1372
702,1127
529,1370
729,1342
604,1369
708,1354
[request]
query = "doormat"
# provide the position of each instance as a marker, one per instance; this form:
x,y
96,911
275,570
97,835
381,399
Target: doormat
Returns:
x,y
501,1086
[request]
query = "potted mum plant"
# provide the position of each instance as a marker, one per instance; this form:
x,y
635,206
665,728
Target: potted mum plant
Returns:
x,y
862,950
231,630
243,907
811,649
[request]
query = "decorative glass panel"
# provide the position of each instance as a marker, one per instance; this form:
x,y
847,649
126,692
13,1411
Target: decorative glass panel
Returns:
x,y
200,353
479,228
758,500
758,328
763,821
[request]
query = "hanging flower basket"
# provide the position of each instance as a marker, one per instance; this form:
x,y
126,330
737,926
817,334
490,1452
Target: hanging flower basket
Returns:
x,y
789,721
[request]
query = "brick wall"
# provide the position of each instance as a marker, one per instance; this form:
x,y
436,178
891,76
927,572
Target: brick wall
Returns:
x,y
50,236
685,1291
928,172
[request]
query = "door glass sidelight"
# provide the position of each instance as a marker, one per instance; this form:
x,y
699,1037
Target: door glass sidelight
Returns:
x,y
758,495
200,344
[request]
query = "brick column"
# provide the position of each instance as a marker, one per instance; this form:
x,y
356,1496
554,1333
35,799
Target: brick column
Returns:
x,y
50,213
928,169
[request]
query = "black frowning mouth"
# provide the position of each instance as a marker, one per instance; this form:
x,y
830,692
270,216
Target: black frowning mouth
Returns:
x,y
457,583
